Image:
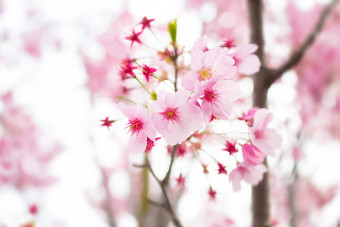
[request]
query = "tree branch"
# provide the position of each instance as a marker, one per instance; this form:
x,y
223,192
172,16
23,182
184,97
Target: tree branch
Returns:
x,y
165,180
292,197
156,203
260,192
167,205
262,81
296,57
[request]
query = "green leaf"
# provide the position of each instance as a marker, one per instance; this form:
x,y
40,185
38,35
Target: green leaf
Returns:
x,y
172,28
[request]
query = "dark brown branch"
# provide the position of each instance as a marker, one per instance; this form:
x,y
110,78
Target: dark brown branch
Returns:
x,y
292,198
262,81
296,57
260,192
156,203
165,180
256,25
261,201
139,165
167,205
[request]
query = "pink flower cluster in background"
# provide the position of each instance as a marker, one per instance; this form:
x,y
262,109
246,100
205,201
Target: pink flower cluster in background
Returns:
x,y
24,157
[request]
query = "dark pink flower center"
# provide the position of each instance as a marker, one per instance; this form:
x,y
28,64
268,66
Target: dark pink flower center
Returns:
x,y
229,43
243,171
259,134
149,145
210,96
135,125
237,61
171,114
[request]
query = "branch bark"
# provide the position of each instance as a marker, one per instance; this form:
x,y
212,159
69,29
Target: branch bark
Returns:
x,y
165,180
297,56
262,82
260,192
167,205
292,198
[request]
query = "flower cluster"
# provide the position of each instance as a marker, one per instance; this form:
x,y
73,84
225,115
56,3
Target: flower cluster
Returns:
x,y
24,159
207,95
263,141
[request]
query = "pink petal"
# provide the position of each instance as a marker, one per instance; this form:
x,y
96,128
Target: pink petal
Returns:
x,y
201,44
127,110
255,174
224,65
252,155
137,143
249,65
210,57
188,80
235,178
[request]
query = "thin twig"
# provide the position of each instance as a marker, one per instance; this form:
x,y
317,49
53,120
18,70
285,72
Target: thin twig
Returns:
x,y
167,205
140,82
147,164
296,57
139,165
292,197
174,60
165,180
156,203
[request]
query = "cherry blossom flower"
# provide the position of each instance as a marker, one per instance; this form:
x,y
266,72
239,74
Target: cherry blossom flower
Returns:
x,y
221,169
230,147
217,97
127,68
146,23
33,209
252,155
147,71
201,45
180,180
107,123
139,125
181,150
264,138
249,116
228,43
134,37
150,144
205,168
245,61
212,194
174,117
208,64
250,173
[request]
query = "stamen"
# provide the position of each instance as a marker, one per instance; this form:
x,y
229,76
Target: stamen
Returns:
x,y
170,114
205,73
135,125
